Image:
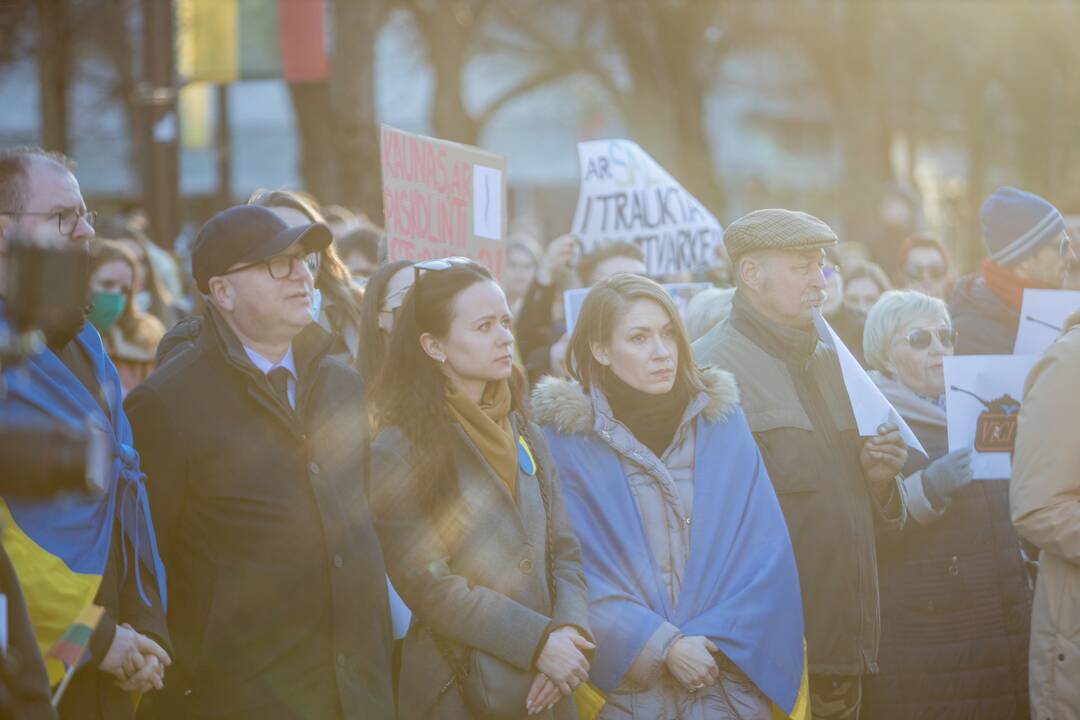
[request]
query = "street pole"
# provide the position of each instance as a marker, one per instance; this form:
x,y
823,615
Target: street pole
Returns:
x,y
223,145
53,58
157,99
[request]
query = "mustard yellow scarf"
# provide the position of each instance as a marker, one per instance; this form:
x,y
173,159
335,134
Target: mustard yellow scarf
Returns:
x,y
488,426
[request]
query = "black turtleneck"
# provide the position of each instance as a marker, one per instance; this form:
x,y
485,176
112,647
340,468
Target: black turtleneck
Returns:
x,y
653,419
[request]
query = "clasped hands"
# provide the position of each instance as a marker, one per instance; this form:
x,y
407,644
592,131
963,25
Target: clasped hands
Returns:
x,y
137,662
562,667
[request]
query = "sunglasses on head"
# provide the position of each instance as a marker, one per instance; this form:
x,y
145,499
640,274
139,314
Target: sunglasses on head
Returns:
x,y
440,264
935,271
921,339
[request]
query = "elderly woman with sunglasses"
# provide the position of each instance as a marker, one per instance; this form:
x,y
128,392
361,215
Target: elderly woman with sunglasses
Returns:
x,y
954,595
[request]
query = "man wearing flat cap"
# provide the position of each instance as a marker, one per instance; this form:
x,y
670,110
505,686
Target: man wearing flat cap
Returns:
x,y
837,490
254,440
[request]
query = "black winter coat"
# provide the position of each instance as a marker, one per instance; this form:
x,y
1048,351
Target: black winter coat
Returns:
x,y
984,324
955,609
278,605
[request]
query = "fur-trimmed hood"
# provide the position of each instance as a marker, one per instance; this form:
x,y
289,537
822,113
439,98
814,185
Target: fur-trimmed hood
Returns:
x,y
564,405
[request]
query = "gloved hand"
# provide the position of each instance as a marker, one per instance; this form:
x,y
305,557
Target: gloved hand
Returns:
x,y
946,475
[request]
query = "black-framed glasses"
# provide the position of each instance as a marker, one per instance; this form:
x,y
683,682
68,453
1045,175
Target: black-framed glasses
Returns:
x,y
282,266
934,271
440,264
921,339
66,220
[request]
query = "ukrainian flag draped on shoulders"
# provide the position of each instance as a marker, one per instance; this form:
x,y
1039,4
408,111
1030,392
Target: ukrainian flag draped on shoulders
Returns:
x,y
60,547
740,587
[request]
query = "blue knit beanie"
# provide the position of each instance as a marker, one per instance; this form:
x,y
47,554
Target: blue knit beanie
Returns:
x,y
1015,224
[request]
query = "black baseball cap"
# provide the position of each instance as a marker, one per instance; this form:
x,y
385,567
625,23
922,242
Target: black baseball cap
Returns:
x,y
247,234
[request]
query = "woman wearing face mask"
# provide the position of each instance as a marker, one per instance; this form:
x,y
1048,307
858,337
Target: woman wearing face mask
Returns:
x,y
680,527
955,601
469,512
131,336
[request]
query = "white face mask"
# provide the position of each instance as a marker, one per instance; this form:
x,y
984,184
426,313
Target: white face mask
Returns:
x,y
142,300
316,304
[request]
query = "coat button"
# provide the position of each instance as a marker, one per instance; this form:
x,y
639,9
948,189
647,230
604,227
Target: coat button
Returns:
x,y
314,468
526,566
338,562
687,518
1061,657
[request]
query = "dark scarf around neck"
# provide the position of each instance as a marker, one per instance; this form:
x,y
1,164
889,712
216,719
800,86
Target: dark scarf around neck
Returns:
x,y
653,419
792,345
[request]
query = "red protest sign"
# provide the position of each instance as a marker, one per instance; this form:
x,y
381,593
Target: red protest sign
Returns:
x,y
442,198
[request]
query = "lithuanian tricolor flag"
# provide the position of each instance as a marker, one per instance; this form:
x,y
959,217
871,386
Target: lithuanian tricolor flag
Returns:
x,y
221,41
70,649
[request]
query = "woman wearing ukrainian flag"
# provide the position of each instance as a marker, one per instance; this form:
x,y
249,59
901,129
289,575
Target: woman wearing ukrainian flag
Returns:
x,y
693,591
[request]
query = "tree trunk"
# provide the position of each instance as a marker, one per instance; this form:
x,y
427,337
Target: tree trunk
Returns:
x,y
446,39
315,134
352,97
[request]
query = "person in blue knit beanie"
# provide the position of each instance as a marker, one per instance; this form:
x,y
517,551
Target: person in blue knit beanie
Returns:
x,y
1028,246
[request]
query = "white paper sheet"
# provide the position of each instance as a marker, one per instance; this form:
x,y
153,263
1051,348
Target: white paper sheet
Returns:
x,y
487,202
871,408
997,380
1042,318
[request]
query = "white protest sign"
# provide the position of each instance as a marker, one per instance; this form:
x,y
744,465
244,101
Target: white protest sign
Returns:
x,y
870,407
982,402
681,294
1042,319
625,195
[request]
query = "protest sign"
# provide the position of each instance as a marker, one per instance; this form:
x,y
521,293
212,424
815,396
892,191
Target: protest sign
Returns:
x,y
1042,319
442,199
982,401
870,407
681,294
626,195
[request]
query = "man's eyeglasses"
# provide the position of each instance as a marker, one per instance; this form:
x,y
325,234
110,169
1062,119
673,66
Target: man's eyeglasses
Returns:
x,y
921,339
281,266
66,220
934,271
830,271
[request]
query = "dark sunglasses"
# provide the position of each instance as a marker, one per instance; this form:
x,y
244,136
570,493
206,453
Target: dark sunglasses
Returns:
x,y
440,264
921,339
925,272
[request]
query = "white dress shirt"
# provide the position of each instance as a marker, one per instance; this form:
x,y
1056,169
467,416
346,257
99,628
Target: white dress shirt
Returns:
x,y
286,362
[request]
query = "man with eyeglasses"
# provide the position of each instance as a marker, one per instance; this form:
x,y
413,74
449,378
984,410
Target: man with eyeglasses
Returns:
x,y
84,549
255,440
836,490
1029,247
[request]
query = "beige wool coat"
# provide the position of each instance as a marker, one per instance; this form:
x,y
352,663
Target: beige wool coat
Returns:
x,y
1045,500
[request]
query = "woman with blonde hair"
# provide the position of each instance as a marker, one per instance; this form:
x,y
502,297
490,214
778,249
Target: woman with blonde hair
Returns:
x,y
955,601
693,590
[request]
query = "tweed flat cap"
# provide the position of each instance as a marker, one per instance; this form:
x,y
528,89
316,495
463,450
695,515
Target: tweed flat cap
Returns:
x,y
776,229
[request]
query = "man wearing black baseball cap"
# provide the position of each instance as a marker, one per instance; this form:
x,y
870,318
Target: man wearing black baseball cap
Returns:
x,y
255,440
